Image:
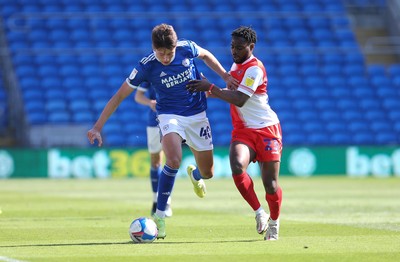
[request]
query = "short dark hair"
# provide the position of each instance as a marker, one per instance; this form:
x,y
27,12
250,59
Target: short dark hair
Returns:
x,y
164,36
248,33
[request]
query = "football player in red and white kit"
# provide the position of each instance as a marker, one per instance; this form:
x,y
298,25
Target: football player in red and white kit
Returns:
x,y
256,135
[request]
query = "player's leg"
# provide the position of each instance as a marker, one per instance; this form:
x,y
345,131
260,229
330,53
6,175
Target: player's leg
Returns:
x,y
269,155
204,169
156,156
240,156
199,139
204,162
273,196
172,148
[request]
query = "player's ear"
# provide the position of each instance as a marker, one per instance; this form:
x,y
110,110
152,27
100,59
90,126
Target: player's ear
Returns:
x,y
252,45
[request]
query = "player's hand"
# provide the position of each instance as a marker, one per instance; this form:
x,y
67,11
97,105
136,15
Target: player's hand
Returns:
x,y
198,85
93,135
231,82
152,105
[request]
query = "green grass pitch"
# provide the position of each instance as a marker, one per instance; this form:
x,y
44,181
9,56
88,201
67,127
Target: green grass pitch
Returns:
x,y
322,219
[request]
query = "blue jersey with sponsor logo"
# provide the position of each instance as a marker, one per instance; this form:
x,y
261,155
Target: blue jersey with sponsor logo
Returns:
x,y
170,81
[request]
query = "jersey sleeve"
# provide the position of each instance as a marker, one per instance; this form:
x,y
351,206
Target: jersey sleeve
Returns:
x,y
190,47
144,87
137,76
251,80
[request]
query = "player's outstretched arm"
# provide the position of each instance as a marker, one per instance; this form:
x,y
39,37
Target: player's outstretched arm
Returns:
x,y
212,62
231,96
94,133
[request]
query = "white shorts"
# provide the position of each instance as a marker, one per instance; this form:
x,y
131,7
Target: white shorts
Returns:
x,y
153,139
194,130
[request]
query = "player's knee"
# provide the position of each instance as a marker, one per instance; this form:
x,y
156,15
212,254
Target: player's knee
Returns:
x,y
237,168
173,163
271,187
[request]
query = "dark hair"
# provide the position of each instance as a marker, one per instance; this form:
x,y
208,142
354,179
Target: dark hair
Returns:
x,y
247,33
164,36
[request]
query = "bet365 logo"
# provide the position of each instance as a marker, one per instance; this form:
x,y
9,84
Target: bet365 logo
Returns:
x,y
205,132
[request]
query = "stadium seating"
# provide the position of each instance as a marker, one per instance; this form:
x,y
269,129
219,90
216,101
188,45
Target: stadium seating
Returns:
x,y
70,56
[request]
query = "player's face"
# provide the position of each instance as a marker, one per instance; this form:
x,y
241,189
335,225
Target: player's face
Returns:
x,y
240,49
164,55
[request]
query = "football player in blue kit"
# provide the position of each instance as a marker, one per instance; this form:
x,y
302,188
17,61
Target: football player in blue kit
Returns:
x,y
181,114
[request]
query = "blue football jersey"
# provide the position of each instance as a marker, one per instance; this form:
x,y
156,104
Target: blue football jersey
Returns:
x,y
170,81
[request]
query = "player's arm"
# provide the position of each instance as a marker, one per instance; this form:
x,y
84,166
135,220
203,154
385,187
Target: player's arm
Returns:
x,y
112,104
141,98
212,62
234,97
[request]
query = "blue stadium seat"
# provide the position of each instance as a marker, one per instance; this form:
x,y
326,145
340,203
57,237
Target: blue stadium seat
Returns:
x,y
394,70
83,117
336,127
318,138
376,70
332,69
362,137
293,138
114,140
352,115
378,80
36,118
79,105
394,115
55,105
54,94
341,138
354,70
133,140
387,138
58,117
32,94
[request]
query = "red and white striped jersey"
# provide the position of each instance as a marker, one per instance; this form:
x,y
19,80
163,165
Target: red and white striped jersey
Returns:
x,y
256,112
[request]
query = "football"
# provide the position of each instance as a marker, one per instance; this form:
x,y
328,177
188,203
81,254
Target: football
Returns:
x,y
143,230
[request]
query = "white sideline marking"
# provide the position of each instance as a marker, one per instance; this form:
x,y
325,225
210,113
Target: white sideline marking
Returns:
x,y
9,259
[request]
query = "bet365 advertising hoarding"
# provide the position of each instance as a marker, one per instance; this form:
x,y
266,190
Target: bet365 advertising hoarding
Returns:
x,y
121,163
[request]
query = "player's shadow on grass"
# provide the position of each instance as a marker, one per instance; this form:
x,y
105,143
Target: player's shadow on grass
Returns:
x,y
159,242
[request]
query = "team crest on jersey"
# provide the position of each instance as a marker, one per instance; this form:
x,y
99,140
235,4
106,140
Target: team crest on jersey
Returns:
x,y
166,127
249,81
133,74
186,62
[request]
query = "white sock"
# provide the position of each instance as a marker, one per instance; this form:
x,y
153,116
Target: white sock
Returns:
x,y
259,211
160,214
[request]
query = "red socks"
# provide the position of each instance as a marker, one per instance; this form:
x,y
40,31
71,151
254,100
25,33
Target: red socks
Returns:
x,y
274,202
245,185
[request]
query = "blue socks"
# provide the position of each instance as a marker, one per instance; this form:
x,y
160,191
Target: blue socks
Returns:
x,y
165,186
196,174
